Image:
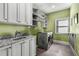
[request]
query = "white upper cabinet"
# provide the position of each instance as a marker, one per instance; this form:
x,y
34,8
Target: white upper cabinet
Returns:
x,y
12,12
16,13
6,11
3,12
16,49
5,50
29,13
21,12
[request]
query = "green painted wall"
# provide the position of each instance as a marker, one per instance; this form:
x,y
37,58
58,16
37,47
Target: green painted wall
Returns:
x,y
73,10
51,23
5,28
75,27
36,29
8,28
77,44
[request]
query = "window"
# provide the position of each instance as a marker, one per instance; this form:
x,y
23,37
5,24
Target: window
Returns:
x,y
62,26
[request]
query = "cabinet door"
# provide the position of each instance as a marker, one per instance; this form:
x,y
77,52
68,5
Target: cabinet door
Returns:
x,y
25,48
16,49
3,52
12,12
22,13
29,13
1,11
9,51
6,11
32,47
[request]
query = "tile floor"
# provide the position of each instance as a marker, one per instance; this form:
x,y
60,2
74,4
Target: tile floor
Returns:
x,y
57,49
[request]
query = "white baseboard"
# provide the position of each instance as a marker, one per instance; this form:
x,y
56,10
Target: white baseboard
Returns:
x,y
63,42
66,43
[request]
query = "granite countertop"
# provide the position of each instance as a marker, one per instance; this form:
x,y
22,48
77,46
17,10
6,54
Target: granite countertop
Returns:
x,y
6,42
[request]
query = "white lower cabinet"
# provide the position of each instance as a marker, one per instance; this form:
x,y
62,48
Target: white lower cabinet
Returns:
x,y
26,47
9,51
21,48
16,49
5,51
32,47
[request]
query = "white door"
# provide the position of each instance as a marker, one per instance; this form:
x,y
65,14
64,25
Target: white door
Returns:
x,y
12,12
16,49
29,13
22,13
32,47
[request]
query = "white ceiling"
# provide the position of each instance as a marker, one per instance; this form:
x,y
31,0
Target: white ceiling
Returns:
x,y
52,7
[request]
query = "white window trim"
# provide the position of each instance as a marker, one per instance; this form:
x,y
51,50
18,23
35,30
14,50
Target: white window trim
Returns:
x,y
59,19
